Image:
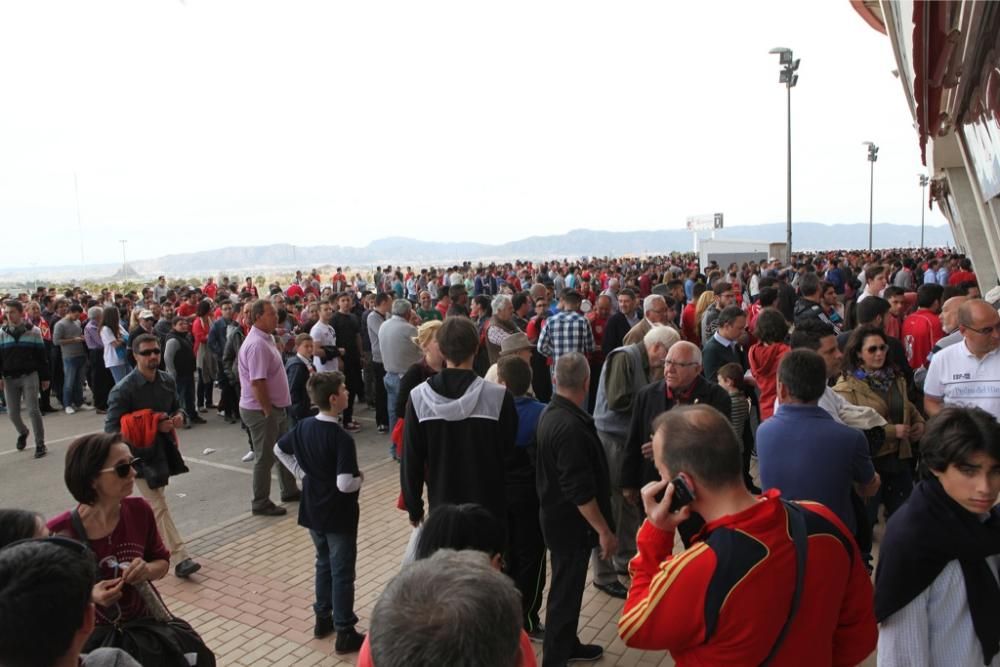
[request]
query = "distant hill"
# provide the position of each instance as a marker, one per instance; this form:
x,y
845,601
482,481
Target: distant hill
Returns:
x,y
406,251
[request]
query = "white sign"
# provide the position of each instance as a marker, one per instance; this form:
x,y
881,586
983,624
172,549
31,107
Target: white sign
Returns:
x,y
705,221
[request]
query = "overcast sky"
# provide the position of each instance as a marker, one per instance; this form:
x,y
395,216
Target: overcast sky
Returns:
x,y
194,125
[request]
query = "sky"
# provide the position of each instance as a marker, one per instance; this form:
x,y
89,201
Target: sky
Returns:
x,y
185,126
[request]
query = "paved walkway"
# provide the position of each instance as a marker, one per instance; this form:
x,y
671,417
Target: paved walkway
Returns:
x,y
252,600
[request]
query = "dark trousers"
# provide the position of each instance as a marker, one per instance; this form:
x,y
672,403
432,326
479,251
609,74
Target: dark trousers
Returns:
x,y
56,371
229,399
897,483
354,382
99,379
562,613
381,397
525,556
185,394
204,392
336,555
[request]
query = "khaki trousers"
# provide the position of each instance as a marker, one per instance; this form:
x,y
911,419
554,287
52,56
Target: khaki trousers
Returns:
x,y
157,499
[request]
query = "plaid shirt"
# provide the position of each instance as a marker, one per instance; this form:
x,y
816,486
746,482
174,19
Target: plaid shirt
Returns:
x,y
565,332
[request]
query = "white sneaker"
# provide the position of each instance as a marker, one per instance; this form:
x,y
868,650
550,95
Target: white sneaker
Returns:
x,y
70,411
84,408
248,457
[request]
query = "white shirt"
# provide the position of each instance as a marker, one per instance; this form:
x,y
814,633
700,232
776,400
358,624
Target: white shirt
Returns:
x,y
323,335
959,378
111,357
935,629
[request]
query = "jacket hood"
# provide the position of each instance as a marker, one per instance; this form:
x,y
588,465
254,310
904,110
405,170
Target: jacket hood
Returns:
x,y
454,394
803,306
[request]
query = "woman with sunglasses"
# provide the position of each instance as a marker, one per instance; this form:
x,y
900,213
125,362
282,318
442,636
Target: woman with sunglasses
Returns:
x,y
871,380
120,529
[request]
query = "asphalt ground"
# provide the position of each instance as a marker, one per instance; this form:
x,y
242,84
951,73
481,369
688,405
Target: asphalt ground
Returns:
x,y
216,490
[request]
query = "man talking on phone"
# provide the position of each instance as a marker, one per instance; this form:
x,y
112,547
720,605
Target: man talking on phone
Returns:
x,y
764,582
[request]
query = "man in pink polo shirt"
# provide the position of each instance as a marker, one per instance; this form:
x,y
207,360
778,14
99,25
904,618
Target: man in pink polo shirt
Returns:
x,y
263,402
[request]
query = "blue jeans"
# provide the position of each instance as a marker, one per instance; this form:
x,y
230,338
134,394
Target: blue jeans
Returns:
x,y
336,555
73,381
185,394
391,382
118,372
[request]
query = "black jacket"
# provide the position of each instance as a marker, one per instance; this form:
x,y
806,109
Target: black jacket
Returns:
x,y
572,470
649,403
615,331
298,376
457,435
715,355
184,359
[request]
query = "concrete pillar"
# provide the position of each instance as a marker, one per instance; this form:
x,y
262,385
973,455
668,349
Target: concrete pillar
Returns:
x,y
981,240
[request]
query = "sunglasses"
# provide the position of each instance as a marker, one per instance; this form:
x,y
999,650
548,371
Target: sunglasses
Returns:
x,y
149,353
122,469
872,349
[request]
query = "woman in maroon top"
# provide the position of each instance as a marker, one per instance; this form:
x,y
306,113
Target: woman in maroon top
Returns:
x,y
121,530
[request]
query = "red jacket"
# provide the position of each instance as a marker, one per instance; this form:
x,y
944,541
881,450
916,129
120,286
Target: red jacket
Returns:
x,y
724,600
920,332
764,360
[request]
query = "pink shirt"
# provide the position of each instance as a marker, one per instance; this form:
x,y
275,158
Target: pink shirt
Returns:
x,y
260,359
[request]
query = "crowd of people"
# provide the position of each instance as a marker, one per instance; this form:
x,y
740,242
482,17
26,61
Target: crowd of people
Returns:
x,y
576,415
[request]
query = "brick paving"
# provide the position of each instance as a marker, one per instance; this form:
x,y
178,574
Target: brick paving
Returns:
x,y
252,600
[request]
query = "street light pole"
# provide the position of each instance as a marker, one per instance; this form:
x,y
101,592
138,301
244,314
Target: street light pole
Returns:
x,y
124,242
924,181
872,157
789,78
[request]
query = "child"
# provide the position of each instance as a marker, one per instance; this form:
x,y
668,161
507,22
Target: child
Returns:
x,y
322,456
730,378
526,548
299,368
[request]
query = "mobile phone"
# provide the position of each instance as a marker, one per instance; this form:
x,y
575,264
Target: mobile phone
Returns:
x,y
683,495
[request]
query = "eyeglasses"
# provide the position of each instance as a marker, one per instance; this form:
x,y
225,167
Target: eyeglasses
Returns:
x,y
149,353
122,469
986,331
872,349
680,364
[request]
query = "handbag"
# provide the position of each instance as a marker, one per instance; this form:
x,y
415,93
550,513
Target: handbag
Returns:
x,y
160,640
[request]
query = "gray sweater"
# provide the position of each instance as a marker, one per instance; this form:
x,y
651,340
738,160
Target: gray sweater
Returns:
x,y
65,329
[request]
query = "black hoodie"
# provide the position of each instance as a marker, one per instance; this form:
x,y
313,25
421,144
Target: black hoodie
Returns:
x,y
459,431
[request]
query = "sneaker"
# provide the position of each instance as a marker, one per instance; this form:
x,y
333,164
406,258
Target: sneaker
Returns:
x,y
248,457
40,451
323,627
84,407
22,441
70,411
203,409
586,653
348,641
382,428
186,568
537,635
352,427
270,510
221,413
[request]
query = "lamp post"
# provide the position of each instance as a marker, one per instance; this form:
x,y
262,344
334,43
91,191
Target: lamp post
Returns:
x,y
124,242
789,78
924,181
872,156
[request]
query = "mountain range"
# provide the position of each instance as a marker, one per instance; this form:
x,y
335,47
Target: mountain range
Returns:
x,y
406,251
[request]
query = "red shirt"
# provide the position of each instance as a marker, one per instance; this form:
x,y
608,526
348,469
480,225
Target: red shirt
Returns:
x,y
186,310
210,290
960,276
746,593
920,332
764,360
135,536
597,325
294,291
688,328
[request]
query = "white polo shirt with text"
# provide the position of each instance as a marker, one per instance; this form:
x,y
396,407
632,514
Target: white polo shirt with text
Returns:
x,y
957,377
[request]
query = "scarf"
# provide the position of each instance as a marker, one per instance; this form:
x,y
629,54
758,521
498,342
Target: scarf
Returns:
x,y
879,380
923,536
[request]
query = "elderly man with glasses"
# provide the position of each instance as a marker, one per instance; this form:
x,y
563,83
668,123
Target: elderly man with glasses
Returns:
x,y
968,373
148,388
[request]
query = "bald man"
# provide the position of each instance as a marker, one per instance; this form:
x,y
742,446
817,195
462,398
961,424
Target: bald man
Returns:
x,y
949,324
968,373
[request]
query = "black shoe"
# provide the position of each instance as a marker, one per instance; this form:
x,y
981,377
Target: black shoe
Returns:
x,y
614,589
22,441
323,627
348,641
198,420
382,428
40,451
46,409
537,635
586,653
270,510
186,568
294,498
